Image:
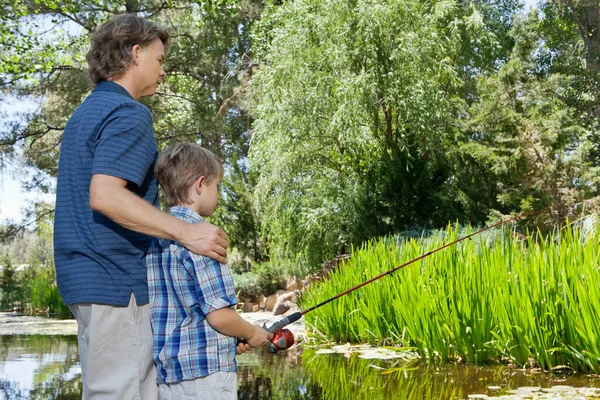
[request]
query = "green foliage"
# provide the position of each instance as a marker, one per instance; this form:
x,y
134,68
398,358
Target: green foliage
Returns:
x,y
247,285
313,134
356,107
479,301
525,136
572,47
10,294
33,288
203,99
339,121
237,216
375,117
42,294
263,279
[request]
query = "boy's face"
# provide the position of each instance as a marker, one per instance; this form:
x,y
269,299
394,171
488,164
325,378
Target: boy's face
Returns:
x,y
209,198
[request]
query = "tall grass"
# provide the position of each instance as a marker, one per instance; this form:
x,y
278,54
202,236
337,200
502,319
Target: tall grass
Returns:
x,y
486,299
42,297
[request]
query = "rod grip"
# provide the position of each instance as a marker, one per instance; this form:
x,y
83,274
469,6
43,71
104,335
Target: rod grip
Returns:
x,y
284,322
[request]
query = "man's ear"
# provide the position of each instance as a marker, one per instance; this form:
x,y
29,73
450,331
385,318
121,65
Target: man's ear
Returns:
x,y
135,53
198,184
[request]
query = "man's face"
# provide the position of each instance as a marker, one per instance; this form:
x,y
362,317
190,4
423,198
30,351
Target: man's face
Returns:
x,y
150,72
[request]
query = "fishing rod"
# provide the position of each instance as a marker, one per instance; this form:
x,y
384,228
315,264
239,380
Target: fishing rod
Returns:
x,y
283,339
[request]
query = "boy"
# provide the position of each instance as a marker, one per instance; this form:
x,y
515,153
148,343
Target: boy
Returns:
x,y
194,328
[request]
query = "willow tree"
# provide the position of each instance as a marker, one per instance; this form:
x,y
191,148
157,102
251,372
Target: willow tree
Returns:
x,y
373,117
355,110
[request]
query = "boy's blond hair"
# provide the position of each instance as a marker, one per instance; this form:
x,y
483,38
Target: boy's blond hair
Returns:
x,y
180,165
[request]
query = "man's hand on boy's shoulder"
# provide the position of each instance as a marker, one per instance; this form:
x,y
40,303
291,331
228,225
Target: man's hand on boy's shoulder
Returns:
x,y
206,239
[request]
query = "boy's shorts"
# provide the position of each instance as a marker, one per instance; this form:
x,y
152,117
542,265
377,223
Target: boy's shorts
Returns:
x,y
216,386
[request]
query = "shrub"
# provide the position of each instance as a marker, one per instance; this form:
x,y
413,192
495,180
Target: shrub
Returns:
x,y
263,279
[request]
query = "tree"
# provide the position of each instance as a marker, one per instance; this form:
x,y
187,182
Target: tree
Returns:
x,y
525,133
339,120
9,288
586,14
202,100
571,32
356,109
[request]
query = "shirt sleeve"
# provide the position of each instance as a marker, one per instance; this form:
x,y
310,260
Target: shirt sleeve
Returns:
x,y
214,284
125,145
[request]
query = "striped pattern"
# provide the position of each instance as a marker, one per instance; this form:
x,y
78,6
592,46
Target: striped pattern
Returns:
x,y
184,288
97,260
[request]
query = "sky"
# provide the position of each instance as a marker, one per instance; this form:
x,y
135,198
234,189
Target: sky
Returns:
x,y
13,198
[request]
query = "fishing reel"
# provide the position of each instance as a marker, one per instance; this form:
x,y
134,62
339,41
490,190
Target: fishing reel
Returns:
x,y
283,338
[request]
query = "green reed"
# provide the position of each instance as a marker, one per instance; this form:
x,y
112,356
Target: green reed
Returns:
x,y
534,303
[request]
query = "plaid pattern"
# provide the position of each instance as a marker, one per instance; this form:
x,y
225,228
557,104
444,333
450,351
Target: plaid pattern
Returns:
x,y
183,288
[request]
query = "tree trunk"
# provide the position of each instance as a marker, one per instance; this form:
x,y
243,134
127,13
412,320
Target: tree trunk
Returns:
x,y
587,16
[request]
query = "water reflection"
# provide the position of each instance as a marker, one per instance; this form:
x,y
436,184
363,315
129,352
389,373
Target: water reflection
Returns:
x,y
262,375
39,367
47,367
346,376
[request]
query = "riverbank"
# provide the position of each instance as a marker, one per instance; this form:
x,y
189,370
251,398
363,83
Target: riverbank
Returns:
x,y
20,324
12,323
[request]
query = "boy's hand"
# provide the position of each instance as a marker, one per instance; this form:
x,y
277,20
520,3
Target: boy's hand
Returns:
x,y
259,337
242,347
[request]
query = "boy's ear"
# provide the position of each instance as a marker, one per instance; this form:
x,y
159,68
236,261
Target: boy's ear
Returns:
x,y
198,184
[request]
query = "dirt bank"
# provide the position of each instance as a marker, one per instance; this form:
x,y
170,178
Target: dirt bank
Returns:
x,y
19,324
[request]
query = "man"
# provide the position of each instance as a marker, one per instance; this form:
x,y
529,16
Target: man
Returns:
x,y
106,211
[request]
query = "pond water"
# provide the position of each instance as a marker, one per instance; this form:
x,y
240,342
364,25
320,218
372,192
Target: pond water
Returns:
x,y
47,367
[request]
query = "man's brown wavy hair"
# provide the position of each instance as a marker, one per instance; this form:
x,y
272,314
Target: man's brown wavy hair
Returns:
x,y
110,51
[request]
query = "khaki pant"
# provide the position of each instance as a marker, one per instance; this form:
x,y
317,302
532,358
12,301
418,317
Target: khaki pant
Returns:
x,y
115,351
217,386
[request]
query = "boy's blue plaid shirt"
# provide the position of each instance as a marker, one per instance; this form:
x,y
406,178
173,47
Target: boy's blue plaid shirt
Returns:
x,y
183,288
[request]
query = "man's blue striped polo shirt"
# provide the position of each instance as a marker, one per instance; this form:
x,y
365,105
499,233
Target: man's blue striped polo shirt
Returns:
x,y
97,260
